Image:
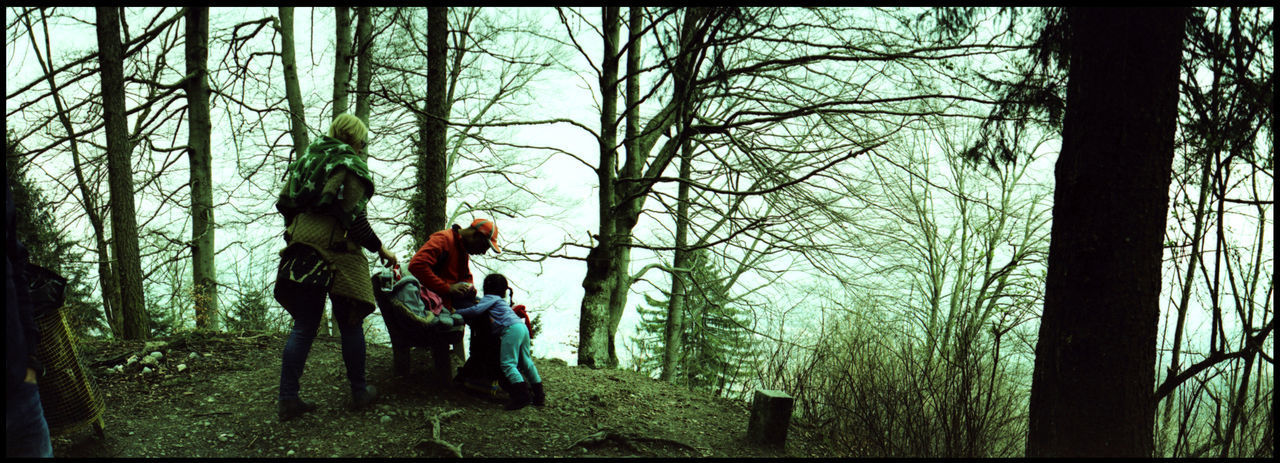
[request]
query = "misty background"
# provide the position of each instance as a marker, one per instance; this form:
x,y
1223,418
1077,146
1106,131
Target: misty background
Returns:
x,y
849,207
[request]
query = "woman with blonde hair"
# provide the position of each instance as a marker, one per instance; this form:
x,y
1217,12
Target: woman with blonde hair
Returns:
x,y
324,202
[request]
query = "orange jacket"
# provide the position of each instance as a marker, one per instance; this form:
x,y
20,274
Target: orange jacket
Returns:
x,y
441,262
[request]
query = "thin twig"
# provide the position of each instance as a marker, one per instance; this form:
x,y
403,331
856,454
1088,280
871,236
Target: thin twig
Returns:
x,y
211,413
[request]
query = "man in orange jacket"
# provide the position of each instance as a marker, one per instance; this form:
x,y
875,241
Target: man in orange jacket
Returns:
x,y
443,266
443,263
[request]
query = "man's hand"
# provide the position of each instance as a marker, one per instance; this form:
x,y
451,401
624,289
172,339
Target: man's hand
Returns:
x,y
31,376
388,258
460,289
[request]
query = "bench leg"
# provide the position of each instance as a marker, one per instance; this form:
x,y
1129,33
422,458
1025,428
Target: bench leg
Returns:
x,y
443,361
460,352
401,359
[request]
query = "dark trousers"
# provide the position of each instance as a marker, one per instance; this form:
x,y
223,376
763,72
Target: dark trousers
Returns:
x,y
482,352
307,308
26,432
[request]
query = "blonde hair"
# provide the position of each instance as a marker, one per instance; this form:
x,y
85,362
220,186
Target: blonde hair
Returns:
x,y
349,129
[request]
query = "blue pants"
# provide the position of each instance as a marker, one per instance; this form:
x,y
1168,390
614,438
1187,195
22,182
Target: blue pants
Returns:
x,y
513,355
305,324
26,432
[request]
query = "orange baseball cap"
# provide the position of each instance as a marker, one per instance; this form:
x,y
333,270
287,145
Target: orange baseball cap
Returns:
x,y
489,229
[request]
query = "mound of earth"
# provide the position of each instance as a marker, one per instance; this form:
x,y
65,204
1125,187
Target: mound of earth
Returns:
x,y
215,396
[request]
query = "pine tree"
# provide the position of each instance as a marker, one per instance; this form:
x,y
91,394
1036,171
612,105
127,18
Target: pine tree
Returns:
x,y
714,338
249,313
48,245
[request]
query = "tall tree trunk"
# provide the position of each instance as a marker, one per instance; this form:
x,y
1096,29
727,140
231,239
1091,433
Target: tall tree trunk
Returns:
x,y
364,67
106,275
342,59
111,305
673,350
297,120
204,275
1092,386
341,78
607,281
618,291
124,224
601,278
427,211
437,112
1237,411
630,168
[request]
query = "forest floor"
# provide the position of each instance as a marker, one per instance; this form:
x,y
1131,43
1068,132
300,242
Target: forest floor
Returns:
x,y
223,404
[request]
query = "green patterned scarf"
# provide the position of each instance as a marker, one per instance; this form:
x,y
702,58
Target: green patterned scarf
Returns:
x,y
304,183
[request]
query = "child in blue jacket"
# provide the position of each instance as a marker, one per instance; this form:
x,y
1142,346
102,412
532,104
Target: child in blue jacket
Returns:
x,y
513,355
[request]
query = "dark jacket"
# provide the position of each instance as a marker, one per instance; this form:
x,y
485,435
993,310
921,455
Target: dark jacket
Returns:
x,y
21,334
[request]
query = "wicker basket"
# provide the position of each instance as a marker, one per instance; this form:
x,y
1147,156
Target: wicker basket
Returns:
x,y
70,398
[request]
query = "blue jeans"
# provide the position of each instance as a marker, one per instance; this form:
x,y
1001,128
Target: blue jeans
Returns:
x,y
513,355
305,323
26,432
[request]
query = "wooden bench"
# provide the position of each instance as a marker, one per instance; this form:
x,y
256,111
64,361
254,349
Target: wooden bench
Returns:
x,y
408,330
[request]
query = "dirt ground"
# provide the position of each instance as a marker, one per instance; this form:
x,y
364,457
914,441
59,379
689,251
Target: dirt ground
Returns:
x,y
223,404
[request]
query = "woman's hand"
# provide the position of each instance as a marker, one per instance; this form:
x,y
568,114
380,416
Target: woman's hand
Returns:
x,y
461,289
388,259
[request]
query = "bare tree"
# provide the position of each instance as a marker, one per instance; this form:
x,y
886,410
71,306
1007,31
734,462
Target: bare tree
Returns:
x,y
488,67
204,273
342,59
120,169
759,121
676,304
622,194
106,276
364,66
86,174
298,121
1223,122
915,348
427,211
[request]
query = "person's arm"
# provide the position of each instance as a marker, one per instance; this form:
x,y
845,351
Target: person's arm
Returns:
x,y
502,309
422,261
479,309
352,192
503,314
362,234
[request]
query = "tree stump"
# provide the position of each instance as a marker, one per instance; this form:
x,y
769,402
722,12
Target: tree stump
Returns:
x,y
770,418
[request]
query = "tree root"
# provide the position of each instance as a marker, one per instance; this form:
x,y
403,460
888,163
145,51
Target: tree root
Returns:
x,y
439,418
435,446
628,441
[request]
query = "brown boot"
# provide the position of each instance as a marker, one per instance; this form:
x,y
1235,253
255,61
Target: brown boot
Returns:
x,y
293,408
539,397
519,396
362,398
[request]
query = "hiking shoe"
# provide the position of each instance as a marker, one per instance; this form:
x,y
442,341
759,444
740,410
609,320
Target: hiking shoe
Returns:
x,y
519,396
293,408
364,397
539,397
